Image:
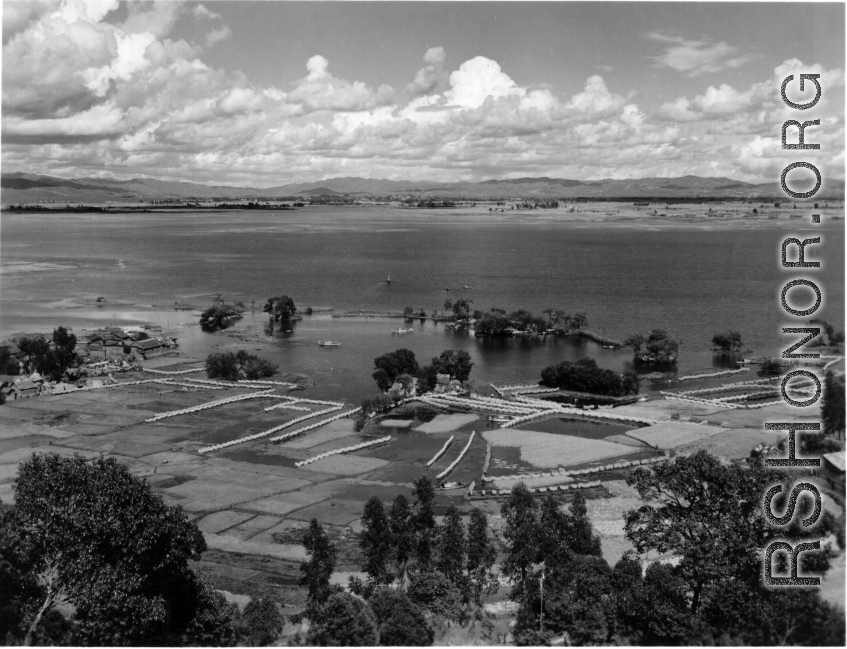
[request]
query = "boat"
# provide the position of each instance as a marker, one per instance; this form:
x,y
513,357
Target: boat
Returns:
x,y
608,347
328,343
402,331
388,281
499,418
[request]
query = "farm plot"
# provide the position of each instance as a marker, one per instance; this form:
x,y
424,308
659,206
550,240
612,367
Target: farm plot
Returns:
x,y
671,434
447,423
397,423
338,429
547,450
347,464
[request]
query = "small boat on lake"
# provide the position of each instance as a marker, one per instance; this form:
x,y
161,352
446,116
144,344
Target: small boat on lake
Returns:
x,y
388,281
328,343
402,331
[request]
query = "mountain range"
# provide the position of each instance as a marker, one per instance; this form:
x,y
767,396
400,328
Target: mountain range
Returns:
x,y
30,188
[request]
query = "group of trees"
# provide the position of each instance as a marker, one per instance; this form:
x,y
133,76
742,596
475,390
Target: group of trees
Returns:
x,y
833,337
657,348
280,308
833,406
707,514
221,314
49,358
401,365
233,366
497,323
584,375
417,572
728,342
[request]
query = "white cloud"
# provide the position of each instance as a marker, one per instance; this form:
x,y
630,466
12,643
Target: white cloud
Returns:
x,y
696,57
432,74
218,35
477,80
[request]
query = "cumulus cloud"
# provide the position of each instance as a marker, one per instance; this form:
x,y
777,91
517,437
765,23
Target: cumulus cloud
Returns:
x,y
84,94
696,57
319,90
218,35
431,75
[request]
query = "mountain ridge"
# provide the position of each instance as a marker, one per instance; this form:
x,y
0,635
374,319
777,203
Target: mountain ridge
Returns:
x,y
24,187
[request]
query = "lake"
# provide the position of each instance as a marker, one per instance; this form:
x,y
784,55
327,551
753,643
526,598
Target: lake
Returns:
x,y
689,279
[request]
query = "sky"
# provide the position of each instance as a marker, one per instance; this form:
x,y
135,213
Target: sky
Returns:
x,y
268,93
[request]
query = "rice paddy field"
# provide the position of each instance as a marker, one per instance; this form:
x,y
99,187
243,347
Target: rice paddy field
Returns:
x,y
252,502
548,450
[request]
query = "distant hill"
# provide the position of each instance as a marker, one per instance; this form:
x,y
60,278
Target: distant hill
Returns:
x,y
29,188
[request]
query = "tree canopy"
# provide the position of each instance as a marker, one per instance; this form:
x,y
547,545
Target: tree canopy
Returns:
x,y
315,572
456,363
658,347
92,535
346,621
728,342
50,358
391,365
584,375
832,405
280,308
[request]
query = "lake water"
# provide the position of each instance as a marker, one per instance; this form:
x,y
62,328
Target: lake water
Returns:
x,y
691,280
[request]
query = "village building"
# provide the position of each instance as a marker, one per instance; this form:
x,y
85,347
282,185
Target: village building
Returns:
x,y
832,470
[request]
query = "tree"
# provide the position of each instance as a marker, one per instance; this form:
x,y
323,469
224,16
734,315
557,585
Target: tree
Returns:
x,y
461,308
832,405
520,538
8,362
347,621
261,621
481,555
584,375
579,320
451,546
97,538
579,534
728,342
220,315
318,569
423,520
50,359
435,593
658,347
707,513
492,324
457,364
375,542
223,365
389,366
401,623
280,308
402,534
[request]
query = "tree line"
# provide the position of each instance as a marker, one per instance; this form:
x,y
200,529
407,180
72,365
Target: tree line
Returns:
x,y
705,513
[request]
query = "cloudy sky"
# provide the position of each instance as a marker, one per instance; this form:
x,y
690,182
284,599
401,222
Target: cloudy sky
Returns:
x,y
267,93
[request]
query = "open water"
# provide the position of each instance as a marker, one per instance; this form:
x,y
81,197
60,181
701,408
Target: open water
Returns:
x,y
690,280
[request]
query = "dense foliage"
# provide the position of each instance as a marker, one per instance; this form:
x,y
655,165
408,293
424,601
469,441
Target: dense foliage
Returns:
x,y
221,315
233,366
496,322
728,342
658,347
89,534
832,405
49,358
391,365
280,308
584,375
8,362
315,572
346,621
261,622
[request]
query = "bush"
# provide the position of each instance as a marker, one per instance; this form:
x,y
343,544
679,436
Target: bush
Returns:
x,y
658,347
